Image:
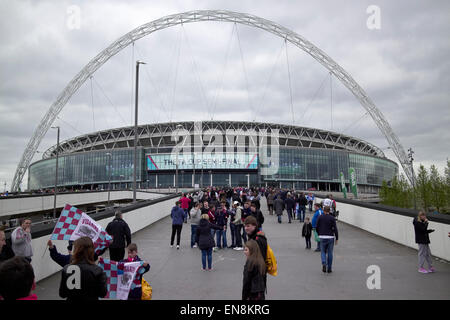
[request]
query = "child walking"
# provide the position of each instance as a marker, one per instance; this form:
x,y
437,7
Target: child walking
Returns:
x,y
254,284
307,232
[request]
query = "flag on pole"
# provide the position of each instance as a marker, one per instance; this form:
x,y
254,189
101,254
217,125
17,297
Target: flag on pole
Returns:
x,y
74,223
121,277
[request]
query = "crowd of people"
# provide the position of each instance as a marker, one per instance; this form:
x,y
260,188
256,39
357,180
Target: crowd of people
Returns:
x,y
210,213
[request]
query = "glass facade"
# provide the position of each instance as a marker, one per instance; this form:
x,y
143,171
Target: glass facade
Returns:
x,y
300,168
86,168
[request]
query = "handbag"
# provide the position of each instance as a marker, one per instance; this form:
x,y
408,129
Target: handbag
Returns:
x,y
316,235
146,290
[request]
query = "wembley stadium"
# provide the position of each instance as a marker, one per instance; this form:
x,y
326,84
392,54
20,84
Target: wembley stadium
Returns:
x,y
212,153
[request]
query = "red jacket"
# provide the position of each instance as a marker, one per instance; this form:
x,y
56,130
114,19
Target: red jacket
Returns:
x,y
185,202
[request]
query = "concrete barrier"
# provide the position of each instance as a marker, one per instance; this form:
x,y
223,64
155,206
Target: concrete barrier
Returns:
x,y
395,226
19,205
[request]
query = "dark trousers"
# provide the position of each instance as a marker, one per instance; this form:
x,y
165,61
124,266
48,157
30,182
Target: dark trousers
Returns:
x,y
176,228
233,234
290,214
238,228
308,242
116,254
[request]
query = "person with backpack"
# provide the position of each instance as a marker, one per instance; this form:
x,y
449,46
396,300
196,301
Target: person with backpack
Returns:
x,y
254,281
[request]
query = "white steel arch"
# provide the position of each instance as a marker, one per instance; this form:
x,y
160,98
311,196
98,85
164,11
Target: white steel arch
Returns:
x,y
209,15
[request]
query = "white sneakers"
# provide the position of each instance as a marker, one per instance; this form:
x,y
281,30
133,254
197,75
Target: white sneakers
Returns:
x,y
238,248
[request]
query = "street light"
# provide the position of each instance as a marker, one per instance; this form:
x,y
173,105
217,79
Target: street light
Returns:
x,y
109,182
411,159
136,128
56,172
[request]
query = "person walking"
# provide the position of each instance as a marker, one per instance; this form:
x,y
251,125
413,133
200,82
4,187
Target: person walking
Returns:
x,y
238,225
307,232
254,284
278,205
310,198
317,213
205,240
185,201
423,240
92,284
270,198
327,230
196,213
21,239
178,216
120,231
290,205
302,202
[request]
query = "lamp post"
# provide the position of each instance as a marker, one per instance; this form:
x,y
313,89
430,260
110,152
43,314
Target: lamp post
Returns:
x,y
411,159
56,172
109,181
136,128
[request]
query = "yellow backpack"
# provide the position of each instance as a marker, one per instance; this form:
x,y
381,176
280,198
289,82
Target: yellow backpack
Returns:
x,y
146,290
271,262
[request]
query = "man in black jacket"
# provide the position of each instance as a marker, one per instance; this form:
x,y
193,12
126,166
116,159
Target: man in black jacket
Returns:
x,y
327,230
255,212
121,233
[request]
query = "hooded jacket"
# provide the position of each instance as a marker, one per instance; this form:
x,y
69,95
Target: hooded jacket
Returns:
x,y
120,232
177,215
421,231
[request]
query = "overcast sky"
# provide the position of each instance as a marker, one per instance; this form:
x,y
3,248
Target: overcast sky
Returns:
x,y
224,71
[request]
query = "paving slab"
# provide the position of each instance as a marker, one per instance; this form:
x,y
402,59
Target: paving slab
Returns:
x,y
177,275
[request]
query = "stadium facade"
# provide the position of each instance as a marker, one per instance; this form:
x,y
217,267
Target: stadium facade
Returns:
x,y
218,153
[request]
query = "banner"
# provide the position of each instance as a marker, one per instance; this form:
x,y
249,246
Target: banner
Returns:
x,y
352,178
120,277
74,223
343,186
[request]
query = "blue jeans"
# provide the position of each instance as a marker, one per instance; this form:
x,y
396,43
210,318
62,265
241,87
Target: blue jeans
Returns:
x,y
301,213
290,214
207,253
193,232
326,248
221,235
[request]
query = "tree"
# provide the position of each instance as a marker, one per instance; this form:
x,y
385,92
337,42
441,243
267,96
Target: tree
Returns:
x,y
423,188
438,190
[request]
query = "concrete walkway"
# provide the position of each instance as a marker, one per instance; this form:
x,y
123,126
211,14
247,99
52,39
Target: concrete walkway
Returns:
x,y
177,275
